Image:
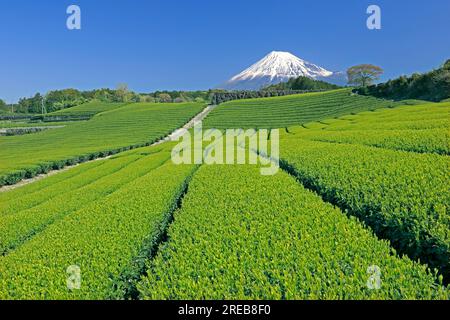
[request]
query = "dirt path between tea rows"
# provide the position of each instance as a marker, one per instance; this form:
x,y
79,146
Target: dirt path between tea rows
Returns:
x,y
179,132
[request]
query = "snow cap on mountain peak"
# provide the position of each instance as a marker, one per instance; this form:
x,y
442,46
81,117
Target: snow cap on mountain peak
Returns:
x,y
276,67
282,54
280,64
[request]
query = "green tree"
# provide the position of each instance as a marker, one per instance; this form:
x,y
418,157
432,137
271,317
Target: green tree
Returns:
x,y
30,105
363,74
60,99
446,65
301,83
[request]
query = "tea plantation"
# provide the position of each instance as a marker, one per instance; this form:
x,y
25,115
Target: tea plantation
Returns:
x,y
358,210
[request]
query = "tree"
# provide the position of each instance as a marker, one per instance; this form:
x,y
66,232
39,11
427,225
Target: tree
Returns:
x,y
2,105
164,97
35,104
148,98
122,92
446,65
60,99
179,100
363,74
302,83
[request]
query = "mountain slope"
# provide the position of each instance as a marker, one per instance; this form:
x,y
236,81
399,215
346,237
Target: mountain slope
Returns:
x,y
279,67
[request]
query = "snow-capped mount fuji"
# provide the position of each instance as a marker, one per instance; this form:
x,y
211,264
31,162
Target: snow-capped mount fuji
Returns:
x,y
278,67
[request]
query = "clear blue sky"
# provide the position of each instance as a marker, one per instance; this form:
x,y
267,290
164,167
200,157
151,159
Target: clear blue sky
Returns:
x,y
198,44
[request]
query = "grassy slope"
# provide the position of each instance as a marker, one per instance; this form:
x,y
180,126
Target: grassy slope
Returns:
x,y
279,112
31,124
422,128
87,109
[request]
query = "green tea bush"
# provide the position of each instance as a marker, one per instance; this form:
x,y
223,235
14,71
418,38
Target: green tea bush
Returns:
x,y
20,225
280,112
402,196
241,235
103,239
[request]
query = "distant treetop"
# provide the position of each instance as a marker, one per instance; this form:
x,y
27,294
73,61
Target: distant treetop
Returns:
x,y
303,83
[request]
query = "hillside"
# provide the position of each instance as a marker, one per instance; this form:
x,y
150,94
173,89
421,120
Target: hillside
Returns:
x,y
108,132
280,112
227,232
87,110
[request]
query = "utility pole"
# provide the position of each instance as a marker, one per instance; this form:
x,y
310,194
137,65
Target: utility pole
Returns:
x,y
43,109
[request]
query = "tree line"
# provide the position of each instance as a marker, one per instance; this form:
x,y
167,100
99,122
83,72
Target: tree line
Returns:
x,y
67,98
292,86
303,84
430,86
219,97
3,106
